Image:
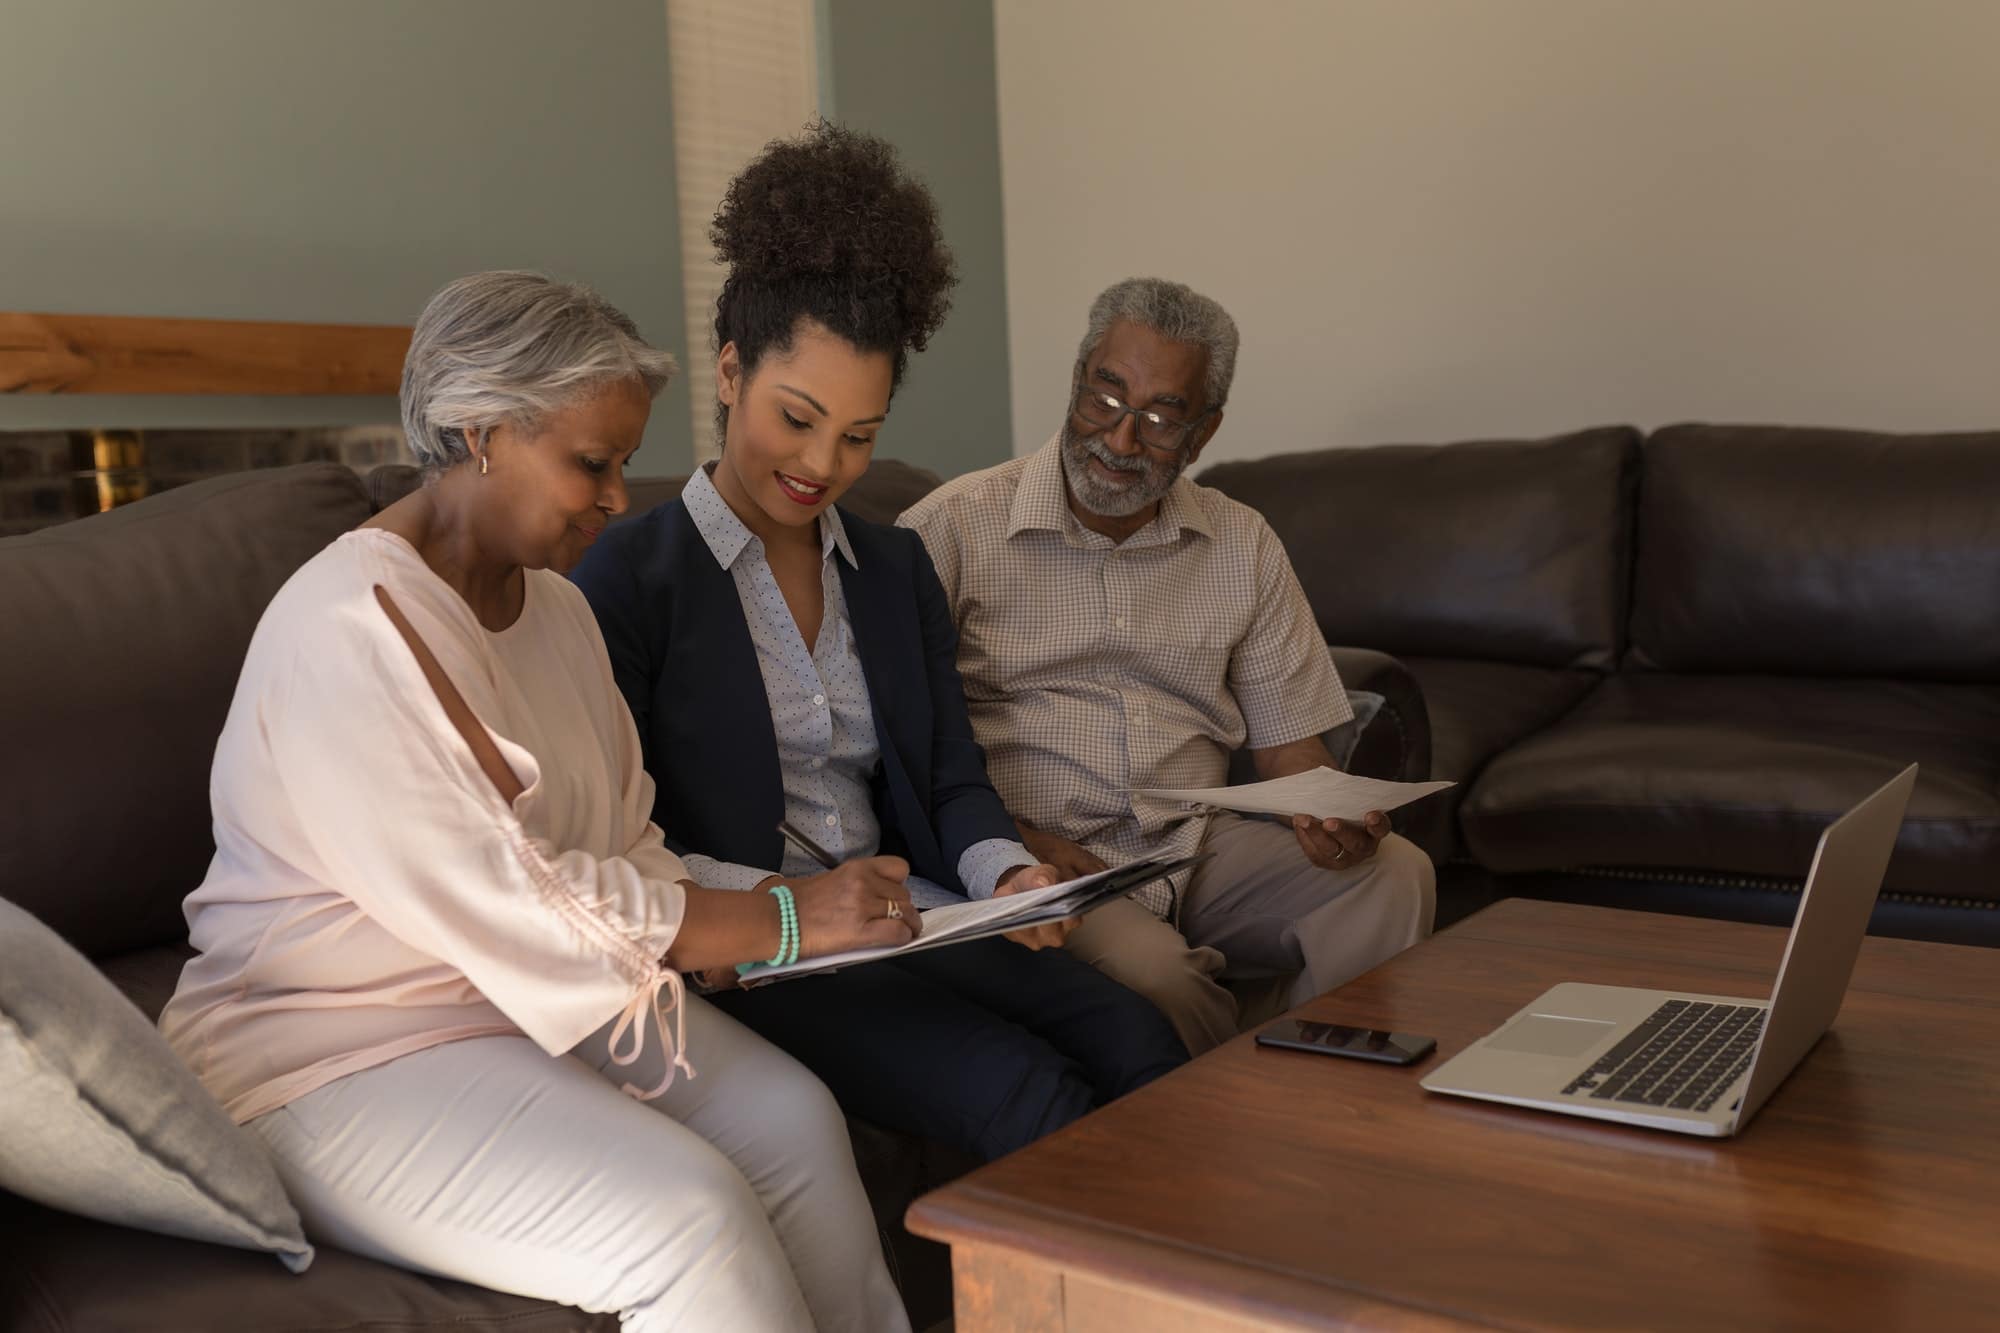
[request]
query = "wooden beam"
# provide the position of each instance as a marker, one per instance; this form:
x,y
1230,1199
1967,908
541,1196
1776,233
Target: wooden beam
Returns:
x,y
121,354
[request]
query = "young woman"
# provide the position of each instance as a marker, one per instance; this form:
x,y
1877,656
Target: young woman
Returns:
x,y
438,926
786,660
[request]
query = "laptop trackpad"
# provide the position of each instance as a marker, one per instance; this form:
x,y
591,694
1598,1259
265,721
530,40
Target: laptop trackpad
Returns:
x,y
1544,1034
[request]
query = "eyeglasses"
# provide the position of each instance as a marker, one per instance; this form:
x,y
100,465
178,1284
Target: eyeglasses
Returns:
x,y
1104,411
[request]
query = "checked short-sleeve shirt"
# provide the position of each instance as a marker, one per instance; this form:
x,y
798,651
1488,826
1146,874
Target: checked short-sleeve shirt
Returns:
x,y
1093,667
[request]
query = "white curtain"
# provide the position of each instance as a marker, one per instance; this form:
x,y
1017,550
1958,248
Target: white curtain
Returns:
x,y
744,72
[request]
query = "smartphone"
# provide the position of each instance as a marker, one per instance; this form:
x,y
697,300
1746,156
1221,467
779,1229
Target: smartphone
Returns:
x,y
1391,1048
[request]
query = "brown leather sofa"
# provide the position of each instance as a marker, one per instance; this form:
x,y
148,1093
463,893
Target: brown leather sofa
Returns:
x,y
1657,666
124,634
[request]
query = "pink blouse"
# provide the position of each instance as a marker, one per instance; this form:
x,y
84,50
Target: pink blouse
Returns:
x,y
372,894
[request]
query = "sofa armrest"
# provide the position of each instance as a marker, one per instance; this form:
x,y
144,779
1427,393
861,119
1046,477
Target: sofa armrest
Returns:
x,y
1396,743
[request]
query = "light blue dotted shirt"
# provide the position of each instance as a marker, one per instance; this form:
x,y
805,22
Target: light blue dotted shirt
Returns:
x,y
827,748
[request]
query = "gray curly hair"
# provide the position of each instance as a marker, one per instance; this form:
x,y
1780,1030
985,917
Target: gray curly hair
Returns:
x,y
1178,313
511,346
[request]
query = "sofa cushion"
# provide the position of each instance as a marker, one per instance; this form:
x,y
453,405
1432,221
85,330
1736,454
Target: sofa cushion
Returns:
x,y
131,628
147,977
1476,710
885,490
101,1118
1394,742
64,1274
392,481
1787,551
888,488
1512,551
1741,774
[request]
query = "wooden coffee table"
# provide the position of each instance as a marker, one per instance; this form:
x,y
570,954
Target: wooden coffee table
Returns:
x,y
1260,1188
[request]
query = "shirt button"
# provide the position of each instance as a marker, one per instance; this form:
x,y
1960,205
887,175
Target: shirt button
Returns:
x,y
1119,622
831,820
819,701
819,761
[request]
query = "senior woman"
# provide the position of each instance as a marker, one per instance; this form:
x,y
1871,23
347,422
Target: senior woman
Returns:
x,y
441,940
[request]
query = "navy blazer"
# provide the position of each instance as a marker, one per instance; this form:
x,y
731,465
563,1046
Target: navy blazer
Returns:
x,y
682,655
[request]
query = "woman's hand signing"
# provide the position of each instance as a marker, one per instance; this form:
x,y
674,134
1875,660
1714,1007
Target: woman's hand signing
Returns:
x,y
860,904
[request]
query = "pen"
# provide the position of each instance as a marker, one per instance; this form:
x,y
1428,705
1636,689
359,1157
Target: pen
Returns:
x,y
807,845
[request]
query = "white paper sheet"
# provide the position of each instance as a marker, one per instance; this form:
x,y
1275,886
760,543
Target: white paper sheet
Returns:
x,y
1322,793
956,919
971,920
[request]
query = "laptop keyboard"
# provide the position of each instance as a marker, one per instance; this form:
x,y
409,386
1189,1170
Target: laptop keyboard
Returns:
x,y
1684,1055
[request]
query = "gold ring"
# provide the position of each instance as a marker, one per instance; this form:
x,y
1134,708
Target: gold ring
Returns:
x,y
895,910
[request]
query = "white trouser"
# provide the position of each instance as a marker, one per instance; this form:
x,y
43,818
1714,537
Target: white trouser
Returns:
x,y
729,1202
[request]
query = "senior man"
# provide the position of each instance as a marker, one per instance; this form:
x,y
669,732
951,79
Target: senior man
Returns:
x,y
1122,627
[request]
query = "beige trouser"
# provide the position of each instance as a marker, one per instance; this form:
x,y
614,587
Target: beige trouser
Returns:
x,y
730,1202
1259,912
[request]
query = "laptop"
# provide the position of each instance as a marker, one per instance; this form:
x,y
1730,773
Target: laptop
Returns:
x,y
1696,1064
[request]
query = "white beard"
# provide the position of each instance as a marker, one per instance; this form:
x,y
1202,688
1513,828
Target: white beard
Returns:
x,y
1113,502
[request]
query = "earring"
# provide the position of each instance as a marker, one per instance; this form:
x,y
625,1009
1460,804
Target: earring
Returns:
x,y
482,465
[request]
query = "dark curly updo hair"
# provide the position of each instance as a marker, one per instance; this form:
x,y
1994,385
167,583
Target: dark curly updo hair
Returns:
x,y
829,227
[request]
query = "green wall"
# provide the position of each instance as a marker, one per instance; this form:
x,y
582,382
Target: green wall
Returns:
x,y
337,161
330,162
920,74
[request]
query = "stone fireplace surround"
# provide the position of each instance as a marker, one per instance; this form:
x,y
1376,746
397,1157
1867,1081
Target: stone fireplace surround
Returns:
x,y
54,476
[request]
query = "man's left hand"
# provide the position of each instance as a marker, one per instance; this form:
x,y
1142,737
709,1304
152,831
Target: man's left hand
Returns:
x,y
1340,844
1019,880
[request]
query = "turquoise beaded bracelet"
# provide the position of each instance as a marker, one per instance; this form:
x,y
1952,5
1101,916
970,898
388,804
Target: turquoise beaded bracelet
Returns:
x,y
788,932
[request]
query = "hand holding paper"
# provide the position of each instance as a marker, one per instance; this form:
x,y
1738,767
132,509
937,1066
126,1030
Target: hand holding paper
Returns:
x,y
1340,844
1050,936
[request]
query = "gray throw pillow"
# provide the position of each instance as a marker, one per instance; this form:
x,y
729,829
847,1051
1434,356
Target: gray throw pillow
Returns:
x,y
99,1117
